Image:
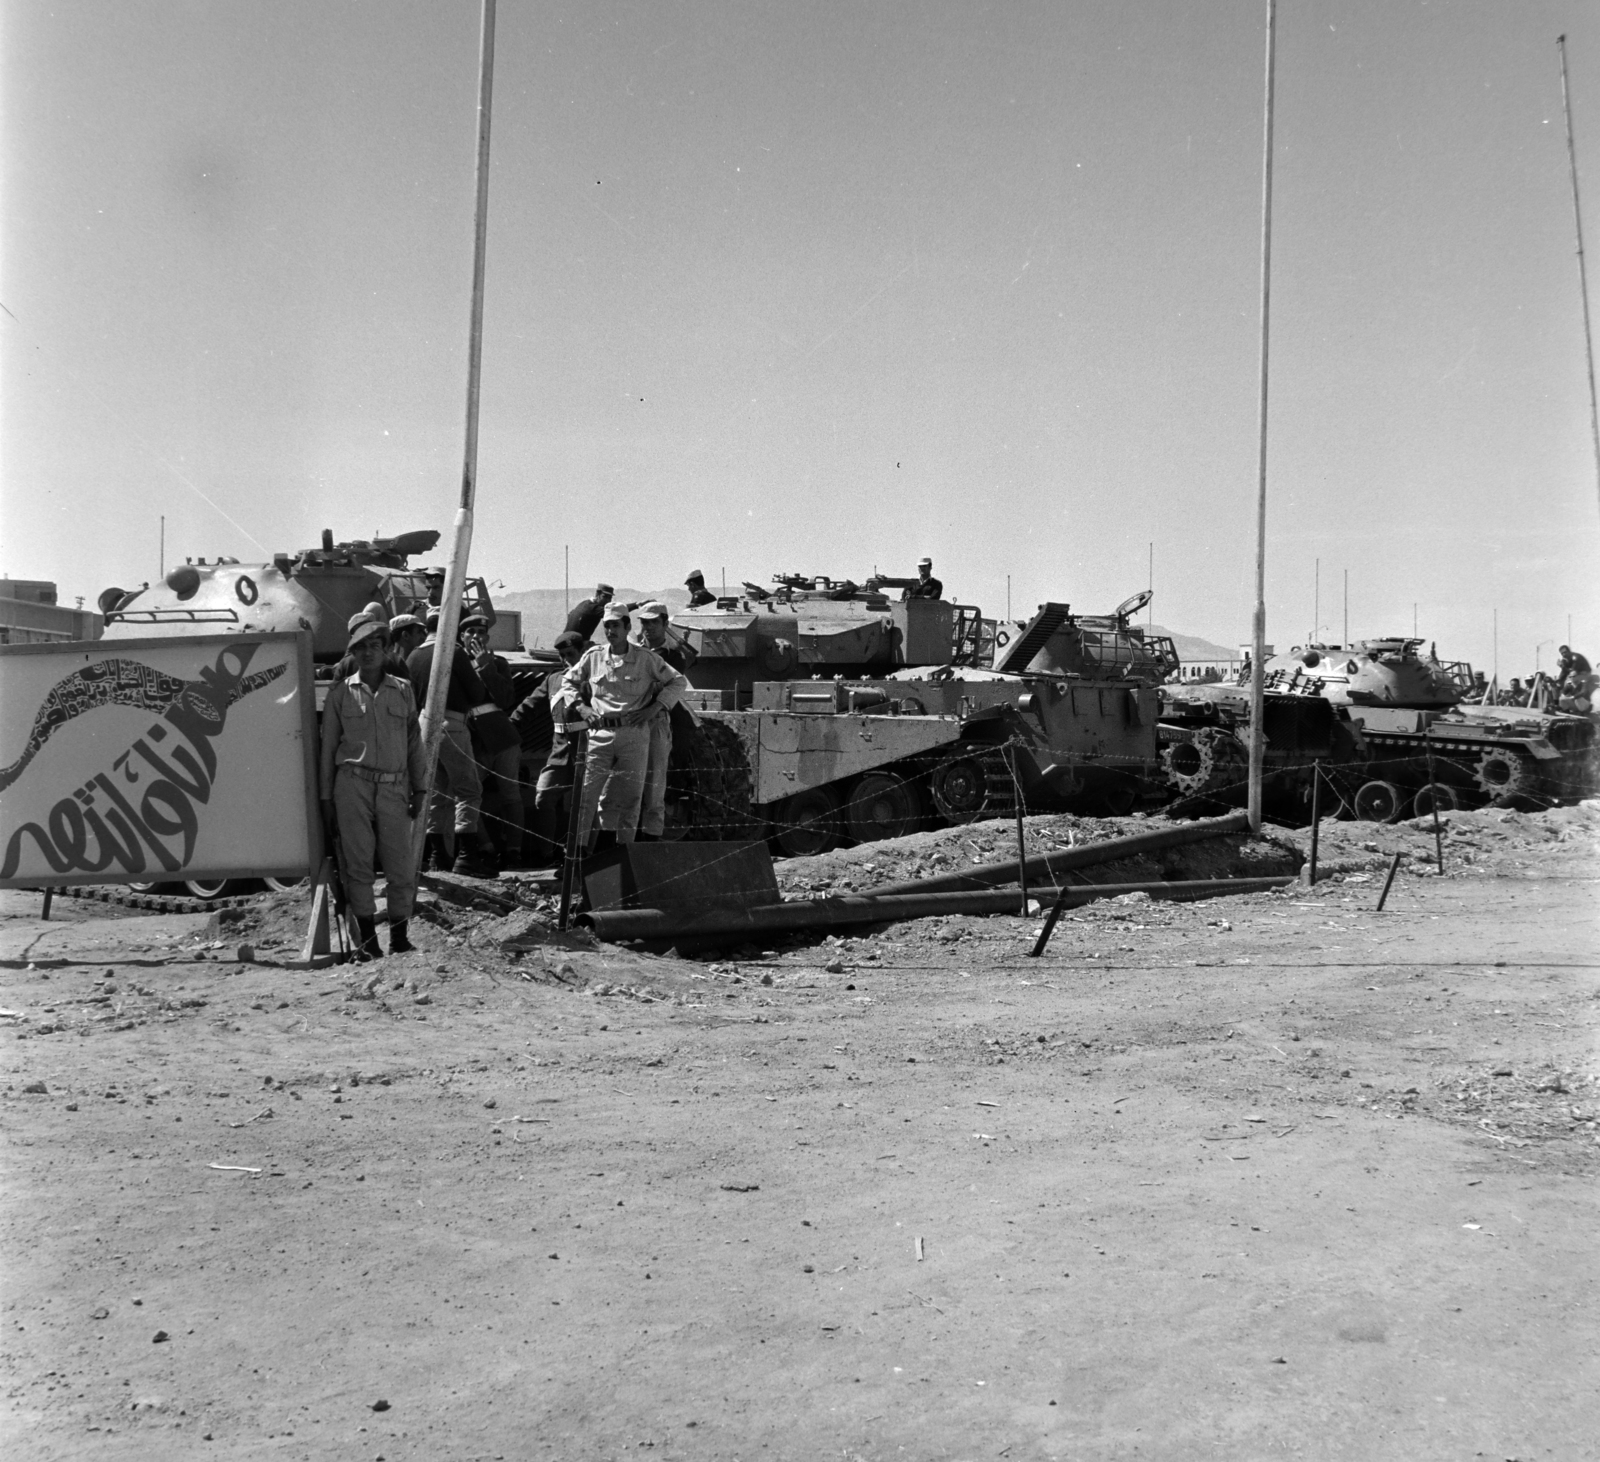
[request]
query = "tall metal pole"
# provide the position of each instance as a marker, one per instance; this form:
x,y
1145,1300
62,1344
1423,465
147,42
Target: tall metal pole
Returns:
x,y
1316,602
163,545
455,577
1258,677
1150,615
1583,273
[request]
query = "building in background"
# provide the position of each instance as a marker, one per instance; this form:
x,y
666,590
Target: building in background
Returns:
x,y
30,615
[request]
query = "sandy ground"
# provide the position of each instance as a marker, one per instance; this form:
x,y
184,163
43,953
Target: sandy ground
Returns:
x,y
1275,1175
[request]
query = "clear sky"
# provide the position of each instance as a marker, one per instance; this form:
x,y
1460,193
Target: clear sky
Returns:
x,y
817,287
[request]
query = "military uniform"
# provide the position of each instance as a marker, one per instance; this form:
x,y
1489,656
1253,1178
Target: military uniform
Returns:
x,y
678,722
618,756
371,765
453,809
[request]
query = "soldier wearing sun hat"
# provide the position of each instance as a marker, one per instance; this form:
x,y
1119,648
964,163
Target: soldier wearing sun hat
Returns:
x,y
372,782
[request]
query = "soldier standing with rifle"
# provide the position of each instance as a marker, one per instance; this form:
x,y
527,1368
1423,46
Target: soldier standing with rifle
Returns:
x,y
372,784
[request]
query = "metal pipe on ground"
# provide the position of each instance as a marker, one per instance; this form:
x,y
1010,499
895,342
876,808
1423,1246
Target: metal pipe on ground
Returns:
x,y
988,875
613,925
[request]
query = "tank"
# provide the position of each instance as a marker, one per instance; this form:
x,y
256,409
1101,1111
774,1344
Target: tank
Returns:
x,y
317,589
811,763
1402,737
820,626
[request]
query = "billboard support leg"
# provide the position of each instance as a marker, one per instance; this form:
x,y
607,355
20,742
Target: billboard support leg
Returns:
x,y
318,944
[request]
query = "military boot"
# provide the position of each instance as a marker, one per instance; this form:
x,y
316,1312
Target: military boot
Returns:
x,y
368,930
398,943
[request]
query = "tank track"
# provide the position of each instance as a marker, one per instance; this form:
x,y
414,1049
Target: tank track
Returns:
x,y
709,795
155,903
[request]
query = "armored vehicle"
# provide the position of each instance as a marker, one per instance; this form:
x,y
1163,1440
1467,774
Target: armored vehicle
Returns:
x,y
318,589
812,763
815,625
1402,734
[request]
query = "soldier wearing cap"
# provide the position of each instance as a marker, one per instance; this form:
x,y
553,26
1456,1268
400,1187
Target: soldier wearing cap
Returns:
x,y
546,760
618,689
406,633
372,783
655,635
926,587
495,742
585,614
698,594
454,841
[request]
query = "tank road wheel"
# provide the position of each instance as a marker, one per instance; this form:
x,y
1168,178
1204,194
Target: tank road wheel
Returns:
x,y
1442,793
882,805
960,790
1377,801
1502,775
206,888
806,823
708,787
1209,763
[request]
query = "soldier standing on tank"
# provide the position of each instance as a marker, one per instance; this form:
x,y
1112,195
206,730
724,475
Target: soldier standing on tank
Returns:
x,y
453,835
678,724
699,595
585,615
372,784
926,587
627,687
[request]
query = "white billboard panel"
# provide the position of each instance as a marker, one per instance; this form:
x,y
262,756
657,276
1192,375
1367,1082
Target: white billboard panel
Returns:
x,y
157,760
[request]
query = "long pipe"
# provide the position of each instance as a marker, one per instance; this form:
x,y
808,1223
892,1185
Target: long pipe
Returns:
x,y
612,925
1583,272
455,578
1043,865
1258,679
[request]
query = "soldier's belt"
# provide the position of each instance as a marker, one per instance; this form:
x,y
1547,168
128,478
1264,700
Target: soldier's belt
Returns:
x,y
367,774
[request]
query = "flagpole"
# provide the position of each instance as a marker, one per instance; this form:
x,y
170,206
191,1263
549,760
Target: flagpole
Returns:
x,y
455,578
1259,669
1583,273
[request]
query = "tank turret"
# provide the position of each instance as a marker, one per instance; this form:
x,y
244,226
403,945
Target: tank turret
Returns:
x,y
816,626
317,589
1370,673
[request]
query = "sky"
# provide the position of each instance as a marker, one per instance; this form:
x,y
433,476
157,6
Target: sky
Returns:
x,y
818,288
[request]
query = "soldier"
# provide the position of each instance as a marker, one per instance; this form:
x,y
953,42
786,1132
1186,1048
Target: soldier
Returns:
x,y
627,686
1573,666
698,594
926,587
496,746
586,613
546,760
406,633
453,836
372,784
679,723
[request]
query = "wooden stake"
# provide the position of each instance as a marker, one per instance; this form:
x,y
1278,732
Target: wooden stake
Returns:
x,y
1394,867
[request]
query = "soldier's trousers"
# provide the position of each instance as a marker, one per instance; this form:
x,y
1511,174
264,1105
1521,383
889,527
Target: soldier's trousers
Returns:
x,y
374,818
653,816
457,787
613,780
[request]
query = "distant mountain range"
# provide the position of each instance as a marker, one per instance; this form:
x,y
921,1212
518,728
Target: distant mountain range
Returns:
x,y
544,616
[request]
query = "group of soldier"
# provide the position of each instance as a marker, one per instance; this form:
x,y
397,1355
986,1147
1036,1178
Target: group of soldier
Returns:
x,y
506,763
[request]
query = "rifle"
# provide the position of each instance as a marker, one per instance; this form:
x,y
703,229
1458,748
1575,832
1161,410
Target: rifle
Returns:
x,y
341,902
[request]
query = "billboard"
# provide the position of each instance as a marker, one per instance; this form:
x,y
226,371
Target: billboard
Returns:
x,y
157,760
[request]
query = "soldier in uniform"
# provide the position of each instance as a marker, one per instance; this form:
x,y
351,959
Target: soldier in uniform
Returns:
x,y
454,840
406,633
546,760
373,783
926,587
679,723
698,593
585,614
627,687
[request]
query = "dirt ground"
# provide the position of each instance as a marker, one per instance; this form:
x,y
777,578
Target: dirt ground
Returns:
x,y
1275,1175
